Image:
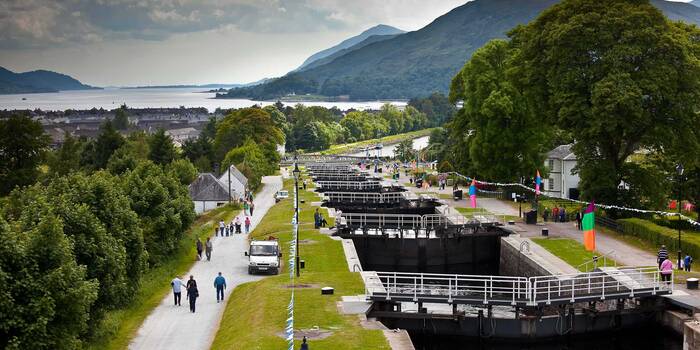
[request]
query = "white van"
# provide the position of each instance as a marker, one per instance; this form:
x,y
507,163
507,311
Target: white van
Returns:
x,y
264,256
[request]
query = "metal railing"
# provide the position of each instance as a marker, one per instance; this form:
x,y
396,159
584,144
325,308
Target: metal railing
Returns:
x,y
604,260
383,220
342,177
342,185
614,283
365,197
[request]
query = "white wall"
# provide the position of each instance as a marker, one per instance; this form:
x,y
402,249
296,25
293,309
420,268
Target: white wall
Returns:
x,y
203,206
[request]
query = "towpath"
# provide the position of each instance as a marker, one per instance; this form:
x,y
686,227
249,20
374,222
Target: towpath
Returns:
x,y
174,327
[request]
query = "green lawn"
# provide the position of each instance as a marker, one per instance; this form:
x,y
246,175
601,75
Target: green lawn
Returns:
x,y
392,139
569,250
120,326
256,312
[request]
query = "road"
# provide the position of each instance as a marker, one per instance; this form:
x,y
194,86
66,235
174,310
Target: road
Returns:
x,y
174,327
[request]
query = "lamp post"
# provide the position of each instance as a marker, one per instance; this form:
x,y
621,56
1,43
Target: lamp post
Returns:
x,y
679,171
296,173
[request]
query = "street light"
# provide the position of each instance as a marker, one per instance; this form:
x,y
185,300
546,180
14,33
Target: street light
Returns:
x,y
296,174
679,171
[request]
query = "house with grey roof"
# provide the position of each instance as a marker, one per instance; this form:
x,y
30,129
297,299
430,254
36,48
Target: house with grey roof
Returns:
x,y
236,180
208,193
562,182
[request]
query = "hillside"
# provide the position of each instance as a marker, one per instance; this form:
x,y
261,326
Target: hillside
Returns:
x,y
361,44
421,62
37,81
350,42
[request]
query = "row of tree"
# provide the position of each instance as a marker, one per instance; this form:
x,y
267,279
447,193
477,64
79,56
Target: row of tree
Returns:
x,y
80,228
618,80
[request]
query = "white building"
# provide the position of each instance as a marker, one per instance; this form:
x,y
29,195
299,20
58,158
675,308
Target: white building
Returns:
x,y
562,182
239,183
181,135
208,193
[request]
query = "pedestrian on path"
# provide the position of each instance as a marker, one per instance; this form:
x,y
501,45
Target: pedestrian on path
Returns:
x,y
216,231
252,206
245,208
663,255
231,228
177,284
579,220
220,285
192,293
238,224
199,249
247,224
304,345
221,226
666,270
227,231
562,214
555,213
687,261
209,248
317,219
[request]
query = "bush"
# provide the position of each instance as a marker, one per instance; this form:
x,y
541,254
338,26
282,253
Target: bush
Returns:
x,y
659,235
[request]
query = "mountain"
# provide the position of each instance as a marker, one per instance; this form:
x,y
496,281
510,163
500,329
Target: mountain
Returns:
x,y
361,44
381,29
37,81
420,62
695,3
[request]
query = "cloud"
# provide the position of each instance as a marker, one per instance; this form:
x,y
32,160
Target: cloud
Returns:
x,y
48,23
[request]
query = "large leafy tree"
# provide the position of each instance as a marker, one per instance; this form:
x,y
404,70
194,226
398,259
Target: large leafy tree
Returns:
x,y
22,146
45,296
504,137
107,142
66,159
251,158
242,124
162,149
619,77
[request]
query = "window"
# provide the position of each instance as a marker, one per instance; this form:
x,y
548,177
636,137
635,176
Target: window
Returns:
x,y
550,184
551,164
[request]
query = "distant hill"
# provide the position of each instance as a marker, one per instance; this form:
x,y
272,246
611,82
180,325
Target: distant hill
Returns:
x,y
381,29
361,44
420,62
695,3
37,81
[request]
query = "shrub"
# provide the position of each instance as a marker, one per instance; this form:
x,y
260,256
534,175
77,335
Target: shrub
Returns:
x,y
659,235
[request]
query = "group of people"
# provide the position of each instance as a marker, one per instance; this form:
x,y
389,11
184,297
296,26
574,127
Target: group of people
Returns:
x,y
319,220
666,265
193,291
233,227
559,215
207,247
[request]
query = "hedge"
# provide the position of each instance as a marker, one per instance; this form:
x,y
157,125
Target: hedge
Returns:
x,y
658,235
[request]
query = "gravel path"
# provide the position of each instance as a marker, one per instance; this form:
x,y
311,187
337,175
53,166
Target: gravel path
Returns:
x,y
174,327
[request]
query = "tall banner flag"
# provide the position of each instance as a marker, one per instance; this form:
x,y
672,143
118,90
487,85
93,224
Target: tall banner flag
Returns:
x,y
538,182
472,193
588,226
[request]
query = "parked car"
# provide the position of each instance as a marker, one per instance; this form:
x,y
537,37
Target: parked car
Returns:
x,y
280,195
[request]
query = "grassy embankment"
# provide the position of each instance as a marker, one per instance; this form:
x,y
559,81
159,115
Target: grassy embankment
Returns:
x,y
386,140
256,312
120,326
570,250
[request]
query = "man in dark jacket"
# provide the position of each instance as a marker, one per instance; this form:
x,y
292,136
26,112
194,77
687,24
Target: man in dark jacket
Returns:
x,y
192,292
220,285
200,248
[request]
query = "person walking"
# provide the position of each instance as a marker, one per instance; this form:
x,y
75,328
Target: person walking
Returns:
x,y
192,293
579,220
177,284
238,224
252,206
662,255
555,213
221,226
562,215
231,228
227,231
247,224
216,231
666,270
687,262
220,285
245,207
317,219
304,345
209,248
199,249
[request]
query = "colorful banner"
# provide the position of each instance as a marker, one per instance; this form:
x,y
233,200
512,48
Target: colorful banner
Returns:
x,y
472,193
588,227
289,326
538,182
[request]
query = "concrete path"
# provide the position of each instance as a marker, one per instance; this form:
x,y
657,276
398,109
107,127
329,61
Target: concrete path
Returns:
x,y
174,327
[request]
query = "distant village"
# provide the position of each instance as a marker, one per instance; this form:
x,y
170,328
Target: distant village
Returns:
x,y
180,123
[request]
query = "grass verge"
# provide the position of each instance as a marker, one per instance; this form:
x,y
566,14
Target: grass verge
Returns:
x,y
120,326
256,312
392,139
569,250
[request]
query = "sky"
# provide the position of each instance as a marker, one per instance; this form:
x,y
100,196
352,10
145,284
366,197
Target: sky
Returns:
x,y
160,42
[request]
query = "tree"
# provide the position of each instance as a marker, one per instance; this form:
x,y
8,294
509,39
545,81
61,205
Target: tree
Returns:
x,y
199,151
251,157
121,119
619,77
108,141
437,107
67,158
22,146
404,151
505,138
45,297
162,150
183,170
242,124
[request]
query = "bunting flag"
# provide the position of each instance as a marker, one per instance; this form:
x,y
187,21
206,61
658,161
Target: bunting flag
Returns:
x,y
538,182
602,206
472,193
588,227
289,324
